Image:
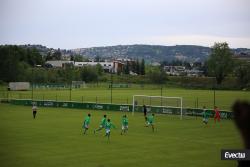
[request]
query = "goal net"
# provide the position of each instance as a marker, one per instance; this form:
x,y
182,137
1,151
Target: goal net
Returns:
x,y
78,84
162,103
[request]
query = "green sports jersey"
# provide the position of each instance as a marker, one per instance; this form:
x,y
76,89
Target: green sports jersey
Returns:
x,y
124,121
109,125
151,118
205,114
103,121
87,120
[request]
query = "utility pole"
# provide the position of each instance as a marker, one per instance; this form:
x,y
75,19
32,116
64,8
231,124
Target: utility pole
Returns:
x,y
70,91
111,87
214,91
161,94
32,83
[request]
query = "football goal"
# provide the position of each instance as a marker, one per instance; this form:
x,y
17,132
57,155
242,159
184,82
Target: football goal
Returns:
x,y
162,102
78,84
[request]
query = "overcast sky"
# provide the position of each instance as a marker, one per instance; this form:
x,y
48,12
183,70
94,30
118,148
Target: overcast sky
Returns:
x,y
86,23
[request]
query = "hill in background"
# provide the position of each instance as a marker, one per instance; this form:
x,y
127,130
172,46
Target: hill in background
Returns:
x,y
151,53
148,52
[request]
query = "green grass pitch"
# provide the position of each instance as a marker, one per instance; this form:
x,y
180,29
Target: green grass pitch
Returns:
x,y
224,98
55,139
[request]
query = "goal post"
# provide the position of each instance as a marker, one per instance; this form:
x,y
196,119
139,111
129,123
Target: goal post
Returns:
x,y
162,102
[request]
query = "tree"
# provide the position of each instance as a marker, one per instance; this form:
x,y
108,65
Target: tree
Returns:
x,y
242,72
54,55
78,58
220,62
89,74
97,59
187,65
15,62
72,58
142,67
99,69
57,55
157,75
133,66
137,67
49,56
204,68
126,69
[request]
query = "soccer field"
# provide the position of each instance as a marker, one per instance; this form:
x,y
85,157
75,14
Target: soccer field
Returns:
x,y
55,139
102,94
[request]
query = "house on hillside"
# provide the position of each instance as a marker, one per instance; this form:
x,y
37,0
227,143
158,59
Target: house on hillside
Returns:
x,y
118,66
183,71
194,73
58,63
175,70
107,66
114,66
242,56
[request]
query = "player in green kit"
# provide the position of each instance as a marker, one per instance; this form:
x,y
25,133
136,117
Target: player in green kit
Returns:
x,y
124,124
86,123
108,127
150,121
205,115
102,124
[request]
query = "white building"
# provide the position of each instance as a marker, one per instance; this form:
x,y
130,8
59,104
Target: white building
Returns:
x,y
107,66
182,71
175,70
58,63
115,66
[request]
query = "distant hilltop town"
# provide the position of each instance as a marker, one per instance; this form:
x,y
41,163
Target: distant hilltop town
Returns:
x,y
115,59
150,53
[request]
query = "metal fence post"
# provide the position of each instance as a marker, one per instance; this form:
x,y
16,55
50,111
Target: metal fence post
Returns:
x,y
70,92
32,84
214,97
197,101
161,94
111,87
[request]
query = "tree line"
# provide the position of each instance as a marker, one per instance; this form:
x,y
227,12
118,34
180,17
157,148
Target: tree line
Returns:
x,y
137,67
21,64
25,64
